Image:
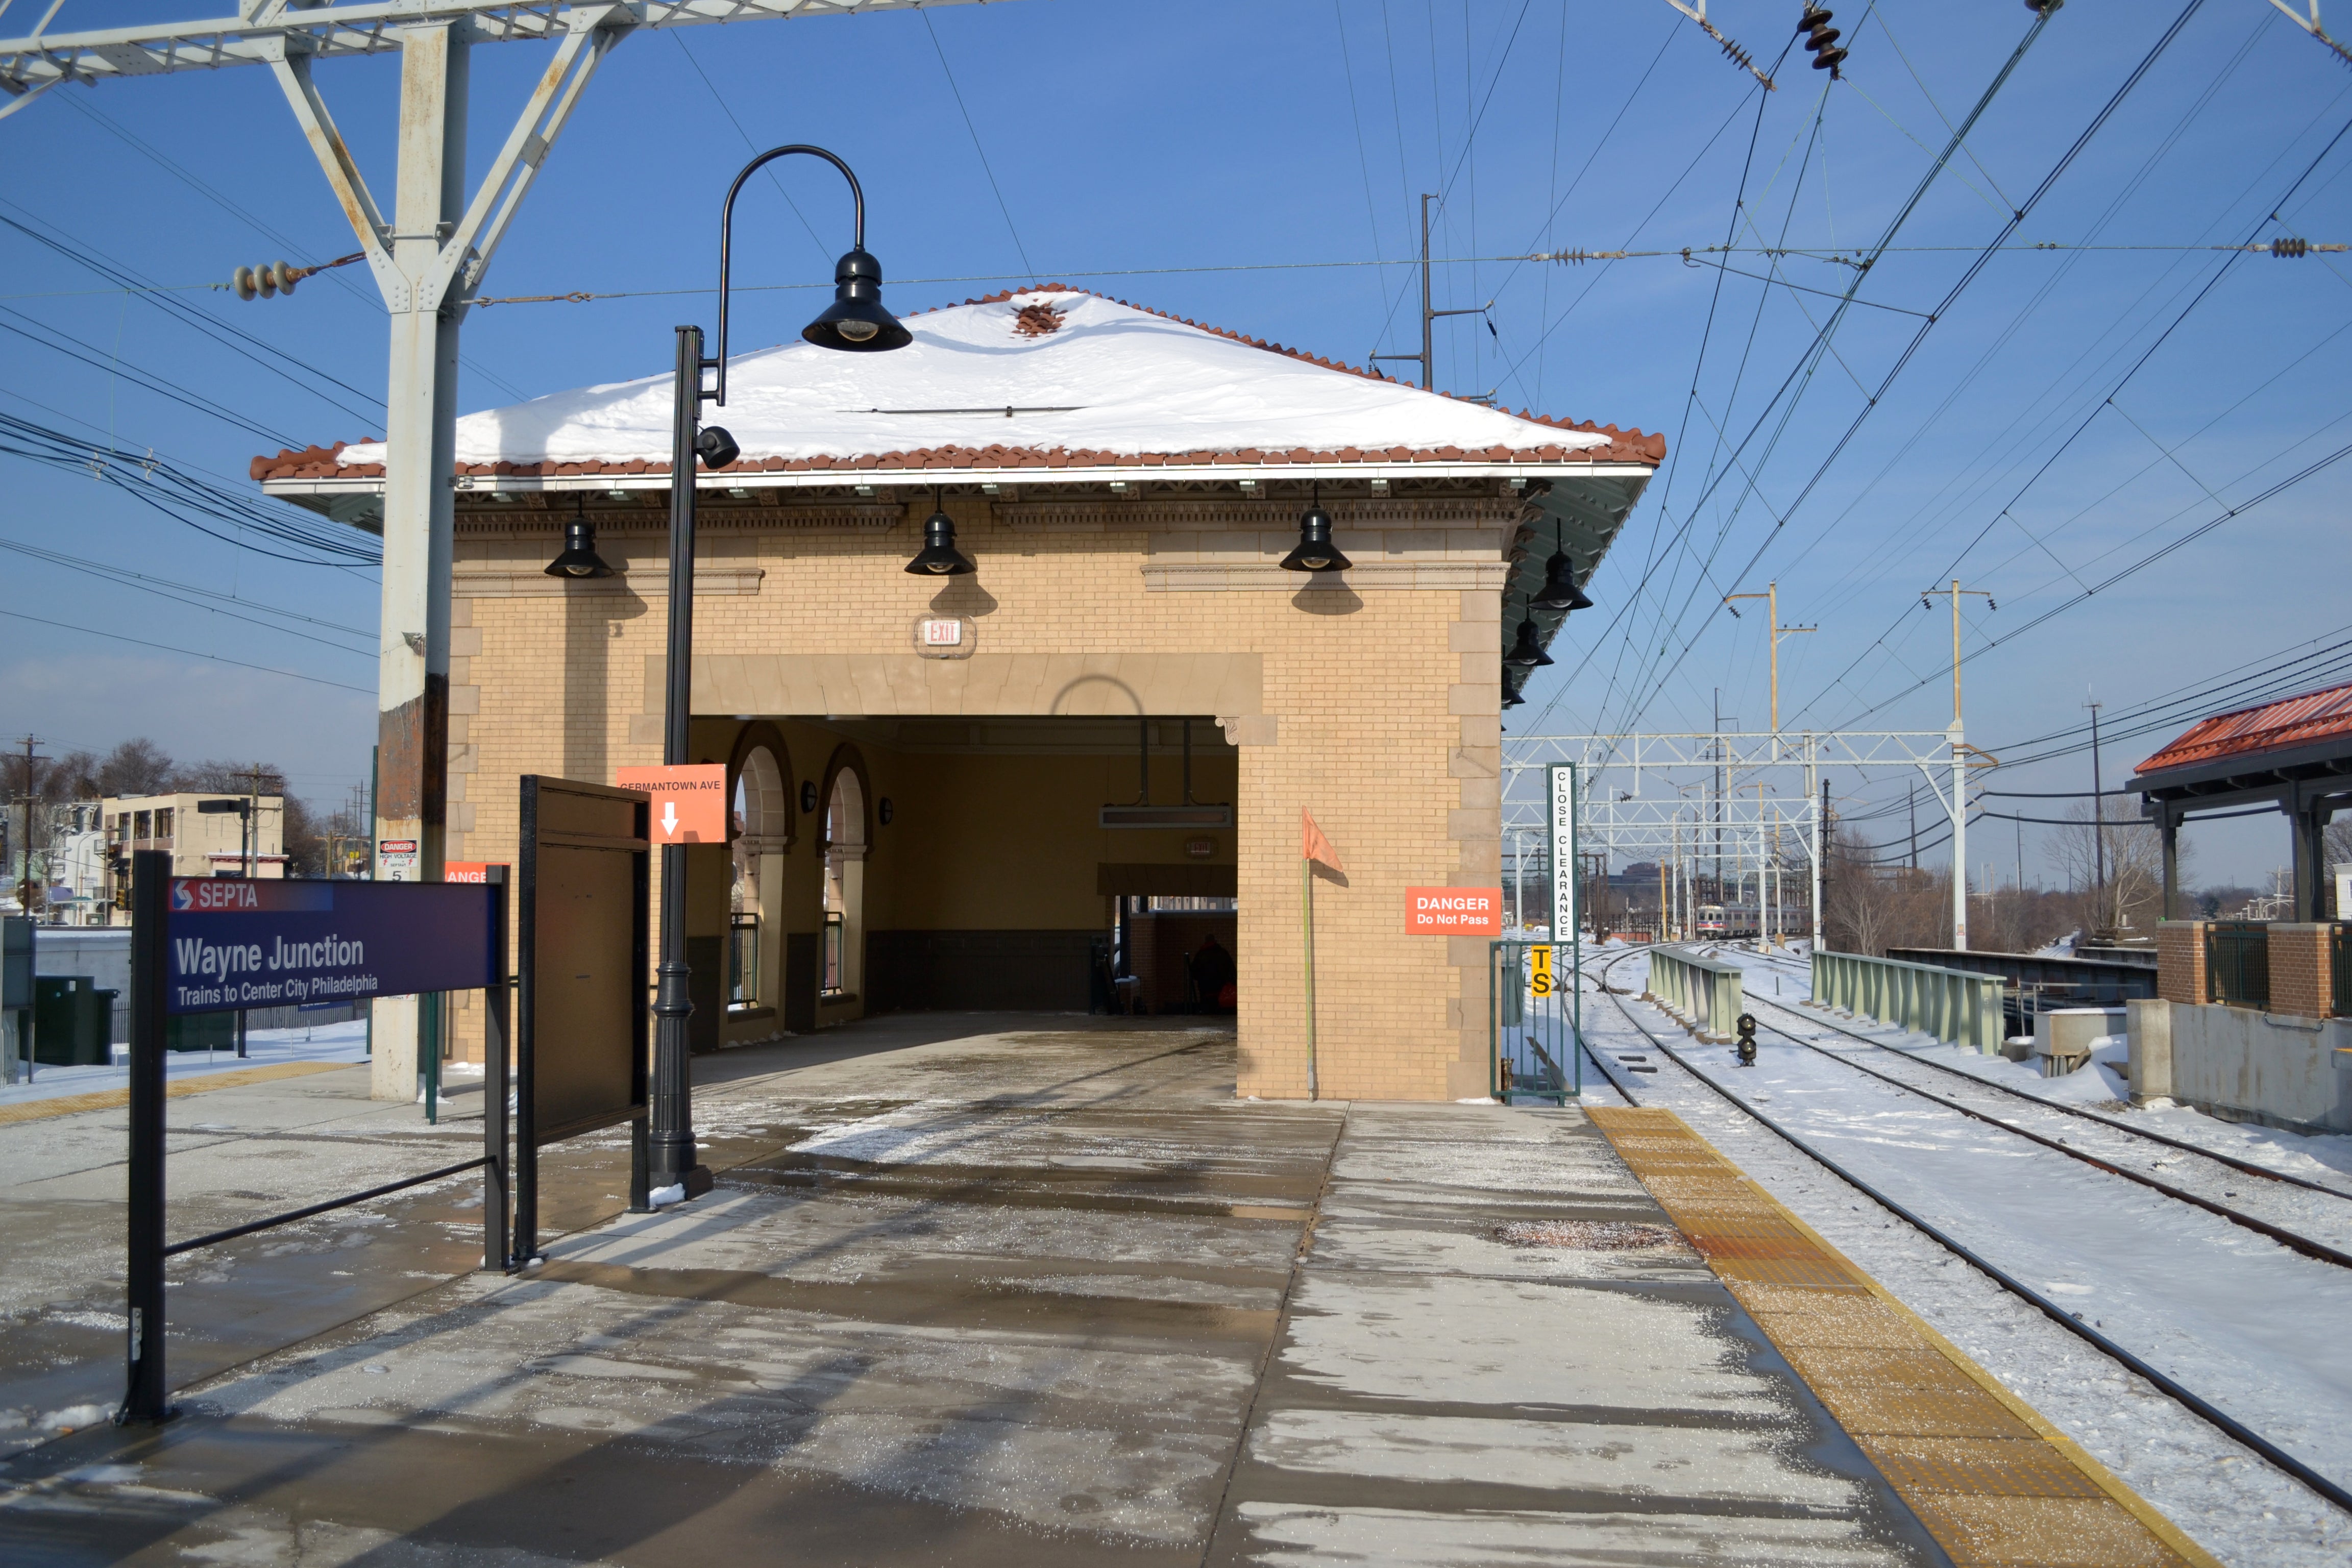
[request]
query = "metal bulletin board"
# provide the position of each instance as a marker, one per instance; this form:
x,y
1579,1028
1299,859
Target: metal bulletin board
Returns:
x,y
583,955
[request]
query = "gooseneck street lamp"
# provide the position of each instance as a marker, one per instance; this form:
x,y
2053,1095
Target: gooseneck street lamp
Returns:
x,y
856,323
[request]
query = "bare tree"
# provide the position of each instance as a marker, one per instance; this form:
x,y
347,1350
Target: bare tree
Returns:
x,y
2115,856
136,767
304,844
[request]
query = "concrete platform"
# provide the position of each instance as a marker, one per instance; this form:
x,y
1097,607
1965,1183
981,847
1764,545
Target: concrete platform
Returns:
x,y
974,1291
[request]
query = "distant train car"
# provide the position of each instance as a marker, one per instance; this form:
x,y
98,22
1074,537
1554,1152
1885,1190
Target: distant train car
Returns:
x,y
1729,920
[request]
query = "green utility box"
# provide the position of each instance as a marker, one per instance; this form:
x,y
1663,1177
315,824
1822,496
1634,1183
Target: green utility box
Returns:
x,y
71,1020
200,1032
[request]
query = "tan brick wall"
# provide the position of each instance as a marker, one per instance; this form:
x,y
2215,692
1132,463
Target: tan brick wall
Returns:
x,y
1375,704
2303,980
2180,960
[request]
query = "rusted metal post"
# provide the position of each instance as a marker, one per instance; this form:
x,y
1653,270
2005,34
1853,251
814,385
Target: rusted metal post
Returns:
x,y
419,507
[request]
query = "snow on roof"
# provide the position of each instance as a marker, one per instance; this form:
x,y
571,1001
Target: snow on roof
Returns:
x,y
2305,721
1049,378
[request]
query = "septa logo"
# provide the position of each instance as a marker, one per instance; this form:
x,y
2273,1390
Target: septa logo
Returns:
x,y
208,894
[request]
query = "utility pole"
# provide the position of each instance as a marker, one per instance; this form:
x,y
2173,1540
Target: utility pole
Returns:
x,y
1771,596
1717,803
2099,822
24,849
428,254
1822,830
1427,355
1959,805
1911,799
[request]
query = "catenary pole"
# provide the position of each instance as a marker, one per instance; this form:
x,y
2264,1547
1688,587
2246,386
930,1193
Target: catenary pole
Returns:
x,y
428,261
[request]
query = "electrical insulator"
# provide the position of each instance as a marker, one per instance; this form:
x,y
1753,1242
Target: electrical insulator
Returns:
x,y
2290,248
1822,39
268,282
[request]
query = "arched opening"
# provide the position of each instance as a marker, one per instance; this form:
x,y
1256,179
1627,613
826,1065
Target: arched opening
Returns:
x,y
758,830
844,847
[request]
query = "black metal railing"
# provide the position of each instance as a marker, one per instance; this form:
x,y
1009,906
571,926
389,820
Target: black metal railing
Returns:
x,y
743,961
2238,962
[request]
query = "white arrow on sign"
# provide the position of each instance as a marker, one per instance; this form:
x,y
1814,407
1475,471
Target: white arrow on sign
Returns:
x,y
669,819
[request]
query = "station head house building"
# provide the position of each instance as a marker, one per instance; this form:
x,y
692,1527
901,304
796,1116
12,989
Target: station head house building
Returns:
x,y
1071,778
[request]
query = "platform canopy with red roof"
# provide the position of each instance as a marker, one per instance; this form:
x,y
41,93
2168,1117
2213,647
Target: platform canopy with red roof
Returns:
x,y
2294,754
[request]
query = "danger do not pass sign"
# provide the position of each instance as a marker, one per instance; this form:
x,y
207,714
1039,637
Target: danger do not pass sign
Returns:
x,y
1454,912
689,801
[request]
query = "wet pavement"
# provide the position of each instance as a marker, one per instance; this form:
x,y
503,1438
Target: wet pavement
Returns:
x,y
973,1289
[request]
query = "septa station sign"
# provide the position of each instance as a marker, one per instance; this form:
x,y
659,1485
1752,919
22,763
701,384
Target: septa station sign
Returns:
x,y
689,801
1454,912
233,942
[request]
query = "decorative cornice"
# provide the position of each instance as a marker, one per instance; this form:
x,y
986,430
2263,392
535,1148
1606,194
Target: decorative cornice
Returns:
x,y
1369,577
709,582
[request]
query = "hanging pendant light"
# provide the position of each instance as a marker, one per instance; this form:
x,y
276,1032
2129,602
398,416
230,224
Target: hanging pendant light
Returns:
x,y
939,557
1315,551
1510,698
1559,591
1528,652
579,558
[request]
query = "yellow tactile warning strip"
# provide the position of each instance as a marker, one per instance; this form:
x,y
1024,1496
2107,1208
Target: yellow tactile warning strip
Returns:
x,y
1991,1480
109,1099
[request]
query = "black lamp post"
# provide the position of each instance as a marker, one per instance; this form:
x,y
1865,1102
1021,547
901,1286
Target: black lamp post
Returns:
x,y
856,323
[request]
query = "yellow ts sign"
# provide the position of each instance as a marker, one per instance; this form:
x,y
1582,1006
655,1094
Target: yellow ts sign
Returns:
x,y
1539,980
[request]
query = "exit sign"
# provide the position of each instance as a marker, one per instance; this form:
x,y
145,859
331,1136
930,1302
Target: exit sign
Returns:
x,y
945,636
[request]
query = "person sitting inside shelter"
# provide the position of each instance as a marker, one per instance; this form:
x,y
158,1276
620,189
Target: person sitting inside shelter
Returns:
x,y
1212,975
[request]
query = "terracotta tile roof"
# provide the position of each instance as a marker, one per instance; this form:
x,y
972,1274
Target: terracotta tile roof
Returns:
x,y
2275,726
1626,446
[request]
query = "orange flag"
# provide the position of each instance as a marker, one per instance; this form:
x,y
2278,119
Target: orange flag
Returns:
x,y
1313,845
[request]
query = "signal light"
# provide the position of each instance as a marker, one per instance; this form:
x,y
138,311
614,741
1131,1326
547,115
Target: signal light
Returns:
x,y
1822,39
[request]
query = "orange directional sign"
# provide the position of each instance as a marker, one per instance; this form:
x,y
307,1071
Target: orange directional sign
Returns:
x,y
689,801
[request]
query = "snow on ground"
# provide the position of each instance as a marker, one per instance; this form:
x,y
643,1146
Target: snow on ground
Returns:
x,y
344,1041
2324,1158
2226,1311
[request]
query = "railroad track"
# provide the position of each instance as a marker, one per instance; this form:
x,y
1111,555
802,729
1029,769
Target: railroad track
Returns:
x,y
2236,1430
2246,1167
2308,1245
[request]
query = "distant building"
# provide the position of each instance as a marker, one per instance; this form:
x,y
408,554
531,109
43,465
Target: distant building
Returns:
x,y
76,865
202,843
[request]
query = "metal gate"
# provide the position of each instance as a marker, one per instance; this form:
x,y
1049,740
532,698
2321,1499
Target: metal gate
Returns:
x,y
1533,1024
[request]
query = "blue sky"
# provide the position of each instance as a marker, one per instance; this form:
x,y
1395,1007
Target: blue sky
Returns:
x,y
1211,159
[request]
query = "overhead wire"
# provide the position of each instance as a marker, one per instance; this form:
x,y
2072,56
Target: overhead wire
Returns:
x,y
1951,296
170,166
2028,415
158,483
178,594
973,131
1363,152
221,332
188,652
774,184
2075,432
74,348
